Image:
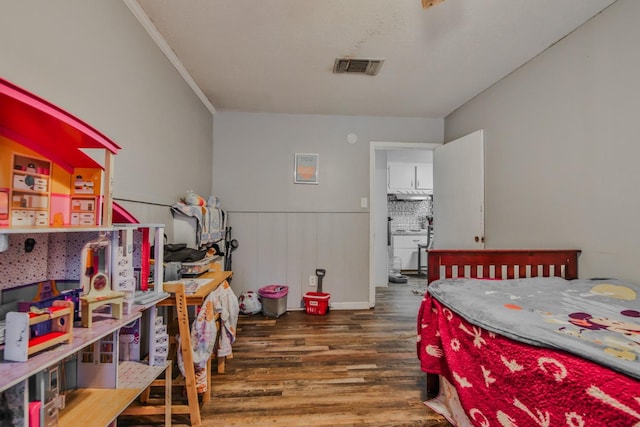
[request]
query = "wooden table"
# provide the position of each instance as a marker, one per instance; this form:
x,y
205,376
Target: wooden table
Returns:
x,y
216,278
180,301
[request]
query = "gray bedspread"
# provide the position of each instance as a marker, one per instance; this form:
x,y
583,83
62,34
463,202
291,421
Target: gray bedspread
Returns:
x,y
596,319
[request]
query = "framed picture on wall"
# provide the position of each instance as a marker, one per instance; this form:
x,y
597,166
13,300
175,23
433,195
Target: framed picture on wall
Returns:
x,y
306,168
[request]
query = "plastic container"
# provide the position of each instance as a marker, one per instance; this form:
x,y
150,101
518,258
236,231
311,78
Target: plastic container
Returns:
x,y
316,302
195,269
274,300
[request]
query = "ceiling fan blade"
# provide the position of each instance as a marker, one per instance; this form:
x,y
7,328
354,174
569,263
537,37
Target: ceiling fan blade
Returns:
x,y
428,3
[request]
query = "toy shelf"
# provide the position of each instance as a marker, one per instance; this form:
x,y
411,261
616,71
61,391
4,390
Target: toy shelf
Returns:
x,y
101,406
12,373
49,185
71,228
45,230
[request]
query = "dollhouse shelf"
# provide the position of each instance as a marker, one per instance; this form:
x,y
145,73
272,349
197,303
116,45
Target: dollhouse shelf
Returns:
x,y
71,229
91,406
12,373
87,406
43,230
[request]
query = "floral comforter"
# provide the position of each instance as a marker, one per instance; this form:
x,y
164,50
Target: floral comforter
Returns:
x,y
502,381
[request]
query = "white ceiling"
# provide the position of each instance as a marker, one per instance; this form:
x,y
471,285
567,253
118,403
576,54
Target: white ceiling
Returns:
x,y
277,55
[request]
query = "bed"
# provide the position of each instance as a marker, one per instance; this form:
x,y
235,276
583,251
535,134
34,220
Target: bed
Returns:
x,y
514,338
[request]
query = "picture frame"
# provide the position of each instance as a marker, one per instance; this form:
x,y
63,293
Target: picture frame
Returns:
x,y
306,168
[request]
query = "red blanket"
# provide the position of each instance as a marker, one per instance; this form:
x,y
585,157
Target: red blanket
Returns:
x,y
501,382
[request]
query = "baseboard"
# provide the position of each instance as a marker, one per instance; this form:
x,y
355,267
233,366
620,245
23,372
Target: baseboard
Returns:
x,y
355,305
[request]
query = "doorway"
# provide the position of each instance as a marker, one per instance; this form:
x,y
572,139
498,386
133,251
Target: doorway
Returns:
x,y
378,249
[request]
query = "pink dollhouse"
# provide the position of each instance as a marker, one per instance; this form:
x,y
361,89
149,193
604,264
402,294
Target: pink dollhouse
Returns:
x,y
46,179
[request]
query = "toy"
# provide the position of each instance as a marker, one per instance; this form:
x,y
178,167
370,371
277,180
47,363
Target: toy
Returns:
x,y
194,199
46,294
96,282
19,342
249,303
213,202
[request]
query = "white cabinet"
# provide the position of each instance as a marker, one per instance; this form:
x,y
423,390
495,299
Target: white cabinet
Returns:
x,y
401,176
424,176
406,248
409,176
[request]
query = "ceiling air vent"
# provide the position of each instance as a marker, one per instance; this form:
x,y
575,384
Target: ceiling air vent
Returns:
x,y
369,67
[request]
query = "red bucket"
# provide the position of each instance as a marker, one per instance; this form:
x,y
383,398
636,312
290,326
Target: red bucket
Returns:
x,y
316,302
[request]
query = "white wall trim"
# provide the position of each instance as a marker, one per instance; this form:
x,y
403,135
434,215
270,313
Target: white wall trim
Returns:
x,y
355,305
164,47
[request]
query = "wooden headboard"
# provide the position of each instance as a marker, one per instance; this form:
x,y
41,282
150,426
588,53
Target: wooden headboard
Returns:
x,y
502,263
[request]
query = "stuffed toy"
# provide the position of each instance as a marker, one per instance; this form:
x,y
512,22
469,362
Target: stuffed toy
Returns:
x,y
213,202
194,199
249,303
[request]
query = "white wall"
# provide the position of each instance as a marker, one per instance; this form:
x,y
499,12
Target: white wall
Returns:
x,y
95,60
562,147
287,230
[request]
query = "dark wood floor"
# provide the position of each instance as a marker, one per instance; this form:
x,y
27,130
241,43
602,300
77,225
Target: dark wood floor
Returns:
x,y
346,368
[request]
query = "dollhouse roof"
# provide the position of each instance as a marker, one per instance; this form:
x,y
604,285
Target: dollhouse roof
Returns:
x,y
123,216
48,130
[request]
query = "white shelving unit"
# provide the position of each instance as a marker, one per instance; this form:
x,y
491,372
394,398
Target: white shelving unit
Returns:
x,y
108,387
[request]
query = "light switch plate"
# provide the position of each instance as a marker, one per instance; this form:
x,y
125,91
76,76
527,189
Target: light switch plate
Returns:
x,y
364,202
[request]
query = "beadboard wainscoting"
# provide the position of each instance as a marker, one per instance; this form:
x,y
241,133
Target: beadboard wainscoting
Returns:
x,y
288,247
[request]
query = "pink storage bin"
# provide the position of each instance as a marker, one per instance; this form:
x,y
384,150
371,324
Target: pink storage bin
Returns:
x,y
274,300
273,291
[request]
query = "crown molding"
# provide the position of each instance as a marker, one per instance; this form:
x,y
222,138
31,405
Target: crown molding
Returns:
x,y
142,17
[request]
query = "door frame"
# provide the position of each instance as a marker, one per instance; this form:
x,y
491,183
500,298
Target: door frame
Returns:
x,y
374,193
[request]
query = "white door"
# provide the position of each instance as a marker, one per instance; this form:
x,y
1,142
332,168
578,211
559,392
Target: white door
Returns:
x,y
458,193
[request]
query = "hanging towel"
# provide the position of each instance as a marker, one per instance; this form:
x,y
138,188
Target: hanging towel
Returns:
x,y
229,310
203,338
204,331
